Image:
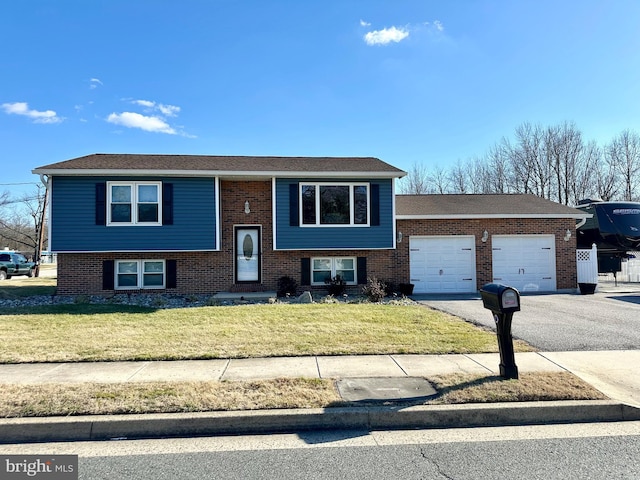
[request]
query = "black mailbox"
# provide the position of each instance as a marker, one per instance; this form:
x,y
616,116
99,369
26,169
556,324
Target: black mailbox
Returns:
x,y
503,300
500,298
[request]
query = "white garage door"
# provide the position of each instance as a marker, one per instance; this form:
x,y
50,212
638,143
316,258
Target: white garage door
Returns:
x,y
526,262
443,264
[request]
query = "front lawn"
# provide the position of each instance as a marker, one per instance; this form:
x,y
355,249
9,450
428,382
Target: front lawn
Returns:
x,y
85,332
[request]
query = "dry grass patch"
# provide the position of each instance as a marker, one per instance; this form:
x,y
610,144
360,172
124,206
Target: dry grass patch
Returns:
x,y
164,397
544,386
86,332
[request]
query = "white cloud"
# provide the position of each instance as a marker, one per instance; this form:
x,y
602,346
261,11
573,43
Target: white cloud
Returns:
x,y
166,110
364,24
153,118
169,110
438,25
143,122
144,103
94,82
22,108
386,36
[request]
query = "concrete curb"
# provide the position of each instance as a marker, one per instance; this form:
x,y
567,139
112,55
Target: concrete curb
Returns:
x,y
106,427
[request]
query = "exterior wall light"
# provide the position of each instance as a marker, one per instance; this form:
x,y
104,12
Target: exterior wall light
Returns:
x,y
485,236
399,237
246,207
567,235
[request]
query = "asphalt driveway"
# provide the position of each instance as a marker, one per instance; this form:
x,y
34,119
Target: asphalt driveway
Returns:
x,y
607,320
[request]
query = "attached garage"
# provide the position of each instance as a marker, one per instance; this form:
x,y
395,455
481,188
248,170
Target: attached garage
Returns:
x,y
458,243
526,262
442,264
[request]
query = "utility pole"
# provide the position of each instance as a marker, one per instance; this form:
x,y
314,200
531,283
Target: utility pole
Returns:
x,y
41,225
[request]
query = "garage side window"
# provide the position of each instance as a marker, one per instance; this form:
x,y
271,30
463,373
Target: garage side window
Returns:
x,y
134,203
139,274
323,269
341,204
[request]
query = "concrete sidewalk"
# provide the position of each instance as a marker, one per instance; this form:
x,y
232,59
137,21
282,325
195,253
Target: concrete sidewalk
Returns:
x,y
612,372
264,368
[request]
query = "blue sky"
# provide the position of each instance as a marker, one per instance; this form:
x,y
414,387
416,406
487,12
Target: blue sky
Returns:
x,y
407,81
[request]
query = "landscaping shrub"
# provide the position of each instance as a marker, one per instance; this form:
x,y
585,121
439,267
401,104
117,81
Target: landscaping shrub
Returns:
x,y
335,286
287,286
374,290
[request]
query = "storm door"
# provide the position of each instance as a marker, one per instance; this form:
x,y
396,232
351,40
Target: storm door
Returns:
x,y
247,255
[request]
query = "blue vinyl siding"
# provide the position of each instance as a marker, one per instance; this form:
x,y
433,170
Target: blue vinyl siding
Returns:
x,y
73,226
316,238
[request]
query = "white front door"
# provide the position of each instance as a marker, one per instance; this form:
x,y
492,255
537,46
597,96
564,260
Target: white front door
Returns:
x,y
247,254
443,264
525,262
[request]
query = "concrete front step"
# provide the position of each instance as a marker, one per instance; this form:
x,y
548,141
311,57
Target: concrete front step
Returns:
x,y
249,296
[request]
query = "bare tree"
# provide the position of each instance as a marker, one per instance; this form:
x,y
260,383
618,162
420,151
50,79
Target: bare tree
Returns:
x,y
623,153
21,220
498,169
4,199
478,175
563,148
586,173
458,178
531,154
525,158
439,179
416,181
606,179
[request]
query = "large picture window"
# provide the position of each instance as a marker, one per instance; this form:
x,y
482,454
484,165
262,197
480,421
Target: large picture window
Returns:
x,y
139,274
134,203
323,269
334,204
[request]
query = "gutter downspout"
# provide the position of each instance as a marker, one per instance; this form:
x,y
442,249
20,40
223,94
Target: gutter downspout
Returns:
x,y
581,223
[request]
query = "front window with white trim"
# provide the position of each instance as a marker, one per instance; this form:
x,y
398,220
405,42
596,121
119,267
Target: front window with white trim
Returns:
x,y
326,268
140,274
334,204
134,203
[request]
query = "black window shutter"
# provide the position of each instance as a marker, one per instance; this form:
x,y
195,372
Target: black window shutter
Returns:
x,y
101,203
305,271
167,203
294,214
108,275
362,270
375,205
172,274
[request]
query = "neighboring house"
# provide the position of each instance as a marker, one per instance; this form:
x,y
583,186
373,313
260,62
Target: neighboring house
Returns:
x,y
204,224
457,243
195,224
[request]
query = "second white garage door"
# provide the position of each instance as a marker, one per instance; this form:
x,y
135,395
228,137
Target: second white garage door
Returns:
x,y
443,264
526,262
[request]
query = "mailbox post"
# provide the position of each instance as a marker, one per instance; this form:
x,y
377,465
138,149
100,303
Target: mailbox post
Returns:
x,y
503,300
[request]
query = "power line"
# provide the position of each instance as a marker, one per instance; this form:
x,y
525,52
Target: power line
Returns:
x,y
20,183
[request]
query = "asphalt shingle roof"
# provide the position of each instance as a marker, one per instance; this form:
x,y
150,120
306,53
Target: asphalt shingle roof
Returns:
x,y
226,164
478,205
